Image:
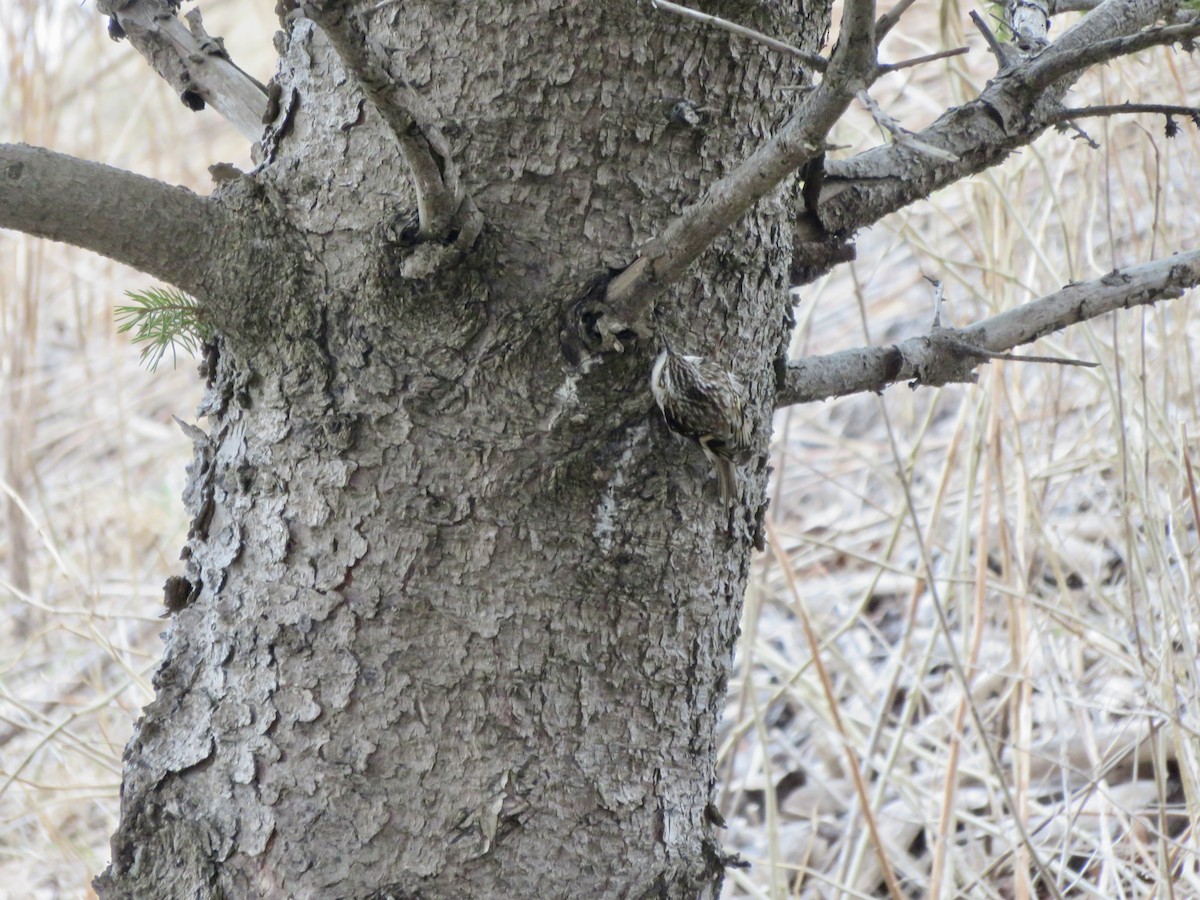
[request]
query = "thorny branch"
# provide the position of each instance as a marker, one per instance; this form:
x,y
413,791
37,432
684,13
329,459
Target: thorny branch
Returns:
x,y
899,133
948,355
1044,69
1009,113
853,65
1121,109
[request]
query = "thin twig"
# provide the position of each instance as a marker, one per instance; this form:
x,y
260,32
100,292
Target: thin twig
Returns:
x,y
664,259
980,353
1080,134
874,368
901,134
889,19
1117,109
885,68
1046,68
998,49
812,60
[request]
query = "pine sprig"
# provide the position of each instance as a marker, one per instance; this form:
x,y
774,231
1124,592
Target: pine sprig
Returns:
x,y
162,319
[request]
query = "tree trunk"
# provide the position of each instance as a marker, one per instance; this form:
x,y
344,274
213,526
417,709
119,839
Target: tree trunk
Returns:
x,y
463,607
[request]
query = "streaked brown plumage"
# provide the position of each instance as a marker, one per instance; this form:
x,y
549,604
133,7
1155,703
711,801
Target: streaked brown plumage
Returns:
x,y
706,403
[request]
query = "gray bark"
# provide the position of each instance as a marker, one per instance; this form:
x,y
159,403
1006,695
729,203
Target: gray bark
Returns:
x,y
165,231
190,60
456,609
464,608
945,355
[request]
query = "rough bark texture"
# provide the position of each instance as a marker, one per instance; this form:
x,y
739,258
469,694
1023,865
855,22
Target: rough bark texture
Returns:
x,y
89,197
465,607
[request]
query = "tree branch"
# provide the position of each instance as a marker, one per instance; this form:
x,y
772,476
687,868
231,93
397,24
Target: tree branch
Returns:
x,y
1120,109
1012,111
948,355
812,60
998,49
1090,47
664,259
1029,22
191,61
859,191
855,53
899,133
853,65
886,68
1064,6
147,224
889,19
411,119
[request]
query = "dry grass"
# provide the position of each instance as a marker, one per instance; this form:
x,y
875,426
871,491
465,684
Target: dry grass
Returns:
x,y
1042,524
93,465
1049,514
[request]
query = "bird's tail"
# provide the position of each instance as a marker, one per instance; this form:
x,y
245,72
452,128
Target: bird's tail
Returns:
x,y
726,478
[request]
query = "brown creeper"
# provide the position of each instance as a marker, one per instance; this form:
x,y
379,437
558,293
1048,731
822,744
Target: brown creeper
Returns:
x,y
703,401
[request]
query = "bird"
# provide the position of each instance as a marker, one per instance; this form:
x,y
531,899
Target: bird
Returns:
x,y
703,401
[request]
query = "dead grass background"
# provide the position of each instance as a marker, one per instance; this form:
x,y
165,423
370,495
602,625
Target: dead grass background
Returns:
x,y
1050,513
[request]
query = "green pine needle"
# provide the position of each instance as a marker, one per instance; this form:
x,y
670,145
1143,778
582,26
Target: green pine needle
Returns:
x,y
163,319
